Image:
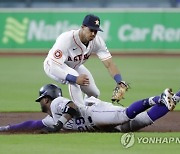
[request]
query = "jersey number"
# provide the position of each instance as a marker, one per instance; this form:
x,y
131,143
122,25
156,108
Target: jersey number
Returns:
x,y
80,122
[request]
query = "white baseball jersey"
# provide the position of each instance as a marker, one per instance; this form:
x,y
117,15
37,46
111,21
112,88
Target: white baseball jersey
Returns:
x,y
95,117
67,57
70,50
90,118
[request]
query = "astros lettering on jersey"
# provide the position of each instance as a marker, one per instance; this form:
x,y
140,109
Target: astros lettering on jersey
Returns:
x,y
70,50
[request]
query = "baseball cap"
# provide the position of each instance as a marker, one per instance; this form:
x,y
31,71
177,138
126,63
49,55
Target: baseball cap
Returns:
x,y
92,21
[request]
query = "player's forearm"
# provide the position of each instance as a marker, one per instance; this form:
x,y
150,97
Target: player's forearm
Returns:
x,y
113,70
69,111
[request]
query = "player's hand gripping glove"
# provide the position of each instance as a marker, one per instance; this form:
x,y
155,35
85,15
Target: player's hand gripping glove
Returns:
x,y
119,91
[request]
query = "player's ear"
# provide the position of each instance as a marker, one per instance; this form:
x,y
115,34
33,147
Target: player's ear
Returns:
x,y
47,100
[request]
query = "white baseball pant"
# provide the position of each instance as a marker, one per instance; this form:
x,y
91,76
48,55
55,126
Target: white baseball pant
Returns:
x,y
58,73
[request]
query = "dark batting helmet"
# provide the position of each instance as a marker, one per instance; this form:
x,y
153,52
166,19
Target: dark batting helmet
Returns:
x,y
49,90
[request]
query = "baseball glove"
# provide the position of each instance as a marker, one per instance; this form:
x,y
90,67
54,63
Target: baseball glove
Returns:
x,y
119,91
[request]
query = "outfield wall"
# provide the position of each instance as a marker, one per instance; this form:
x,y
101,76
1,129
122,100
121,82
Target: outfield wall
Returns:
x,y
124,30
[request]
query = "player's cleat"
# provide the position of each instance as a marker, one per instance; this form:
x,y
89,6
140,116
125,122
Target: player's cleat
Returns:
x,y
166,98
176,99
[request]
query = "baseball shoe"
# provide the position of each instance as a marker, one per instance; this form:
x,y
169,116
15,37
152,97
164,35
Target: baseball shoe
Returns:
x,y
166,99
176,99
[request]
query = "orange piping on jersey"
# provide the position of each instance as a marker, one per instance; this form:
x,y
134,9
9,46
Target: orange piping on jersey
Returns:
x,y
79,47
106,58
56,61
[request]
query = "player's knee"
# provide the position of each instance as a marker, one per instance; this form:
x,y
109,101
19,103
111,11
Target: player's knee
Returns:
x,y
140,121
125,127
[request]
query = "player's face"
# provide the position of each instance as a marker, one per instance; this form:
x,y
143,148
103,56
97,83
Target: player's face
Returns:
x,y
43,103
89,34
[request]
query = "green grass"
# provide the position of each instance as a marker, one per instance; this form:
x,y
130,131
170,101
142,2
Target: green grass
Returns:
x,y
22,77
147,77
88,143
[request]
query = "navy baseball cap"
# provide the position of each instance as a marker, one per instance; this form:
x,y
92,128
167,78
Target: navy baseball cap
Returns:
x,y
92,21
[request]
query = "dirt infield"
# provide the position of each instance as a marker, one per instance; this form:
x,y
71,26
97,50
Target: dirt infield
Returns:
x,y
169,123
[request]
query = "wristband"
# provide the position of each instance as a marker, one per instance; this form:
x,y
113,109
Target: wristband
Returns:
x,y
59,125
71,78
63,120
118,78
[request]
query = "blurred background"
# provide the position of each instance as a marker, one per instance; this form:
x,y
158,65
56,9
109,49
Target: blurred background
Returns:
x,y
89,3
129,25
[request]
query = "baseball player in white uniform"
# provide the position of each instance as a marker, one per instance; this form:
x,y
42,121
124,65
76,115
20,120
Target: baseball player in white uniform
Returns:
x,y
64,62
63,114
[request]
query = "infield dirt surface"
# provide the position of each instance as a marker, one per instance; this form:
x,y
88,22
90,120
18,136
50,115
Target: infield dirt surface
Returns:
x,y
169,123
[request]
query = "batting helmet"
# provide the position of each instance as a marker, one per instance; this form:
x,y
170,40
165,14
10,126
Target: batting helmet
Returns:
x,y
50,90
